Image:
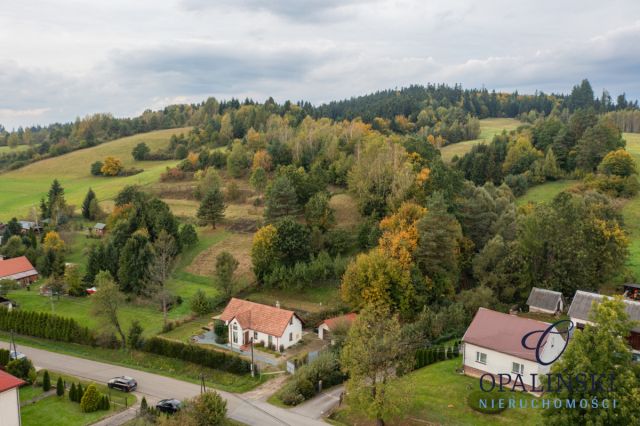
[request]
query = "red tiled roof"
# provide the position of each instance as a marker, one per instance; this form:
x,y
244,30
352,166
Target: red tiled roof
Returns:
x,y
14,266
332,322
255,316
7,381
503,332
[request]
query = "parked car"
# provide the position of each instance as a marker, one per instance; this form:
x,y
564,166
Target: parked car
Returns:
x,y
169,406
123,383
16,355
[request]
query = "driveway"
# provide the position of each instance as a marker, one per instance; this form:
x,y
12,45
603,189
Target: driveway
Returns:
x,y
320,404
156,387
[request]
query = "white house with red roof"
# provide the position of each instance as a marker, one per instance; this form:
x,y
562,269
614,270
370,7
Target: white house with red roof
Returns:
x,y
9,399
274,327
493,344
18,269
327,326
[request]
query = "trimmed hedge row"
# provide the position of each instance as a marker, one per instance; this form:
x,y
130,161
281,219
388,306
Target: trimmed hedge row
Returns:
x,y
427,356
197,355
45,325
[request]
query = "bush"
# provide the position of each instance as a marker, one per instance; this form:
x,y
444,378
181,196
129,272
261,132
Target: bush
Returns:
x,y
473,400
222,332
96,168
4,357
197,355
45,325
302,385
60,387
518,184
200,303
188,236
46,381
91,399
20,368
73,393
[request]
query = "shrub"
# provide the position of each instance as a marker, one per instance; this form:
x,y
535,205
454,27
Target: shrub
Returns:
x,y
105,404
518,184
96,168
60,387
188,236
45,325
20,368
73,393
222,332
46,381
134,340
143,405
200,303
91,399
197,355
79,392
473,400
4,357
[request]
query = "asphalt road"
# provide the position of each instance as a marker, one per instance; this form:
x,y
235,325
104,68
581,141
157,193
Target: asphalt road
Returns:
x,y
156,387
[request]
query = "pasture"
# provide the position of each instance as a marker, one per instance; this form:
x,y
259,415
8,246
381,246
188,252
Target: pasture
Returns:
x,y
488,128
22,189
631,211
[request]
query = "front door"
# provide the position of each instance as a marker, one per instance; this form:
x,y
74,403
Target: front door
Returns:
x,y
246,338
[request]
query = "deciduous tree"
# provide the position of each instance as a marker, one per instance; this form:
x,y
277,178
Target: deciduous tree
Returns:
x,y
107,302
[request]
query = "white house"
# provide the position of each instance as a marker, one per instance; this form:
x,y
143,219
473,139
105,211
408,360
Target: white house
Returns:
x,y
274,327
9,399
327,326
545,301
493,344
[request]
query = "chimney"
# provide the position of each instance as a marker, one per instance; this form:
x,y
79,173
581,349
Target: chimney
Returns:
x,y
277,304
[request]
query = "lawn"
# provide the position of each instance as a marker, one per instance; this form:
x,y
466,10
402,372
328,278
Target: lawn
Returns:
x,y
437,395
545,192
7,149
54,410
23,188
488,128
170,367
631,211
314,299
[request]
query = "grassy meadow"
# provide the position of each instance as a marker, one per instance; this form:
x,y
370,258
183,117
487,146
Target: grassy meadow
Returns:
x,y
437,395
7,149
488,128
21,190
631,211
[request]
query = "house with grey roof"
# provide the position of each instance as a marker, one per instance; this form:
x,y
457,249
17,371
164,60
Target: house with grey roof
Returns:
x,y
583,304
545,301
99,229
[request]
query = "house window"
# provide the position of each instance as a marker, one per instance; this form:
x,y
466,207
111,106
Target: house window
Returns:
x,y
255,335
481,357
517,368
290,337
235,326
235,337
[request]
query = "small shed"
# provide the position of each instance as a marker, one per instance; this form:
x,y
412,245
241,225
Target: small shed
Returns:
x,y
99,228
545,301
327,326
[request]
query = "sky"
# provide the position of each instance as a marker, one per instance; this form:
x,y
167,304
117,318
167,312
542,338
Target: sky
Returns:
x,y
69,58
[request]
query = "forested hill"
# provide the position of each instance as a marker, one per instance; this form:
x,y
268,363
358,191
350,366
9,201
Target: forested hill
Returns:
x,y
481,103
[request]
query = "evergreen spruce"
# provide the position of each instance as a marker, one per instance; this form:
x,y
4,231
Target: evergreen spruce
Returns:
x,y
86,204
212,207
73,392
60,387
46,381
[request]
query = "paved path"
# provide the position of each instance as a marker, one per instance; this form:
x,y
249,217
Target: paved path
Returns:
x,y
156,387
320,404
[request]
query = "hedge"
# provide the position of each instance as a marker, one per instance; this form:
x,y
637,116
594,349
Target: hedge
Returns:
x,y
427,356
45,325
197,355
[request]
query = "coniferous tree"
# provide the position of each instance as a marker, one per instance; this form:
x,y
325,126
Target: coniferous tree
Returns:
x,y
135,259
212,207
46,381
73,393
86,204
281,199
60,387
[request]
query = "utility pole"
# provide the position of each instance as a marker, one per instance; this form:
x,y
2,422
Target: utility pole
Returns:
x,y
253,372
13,344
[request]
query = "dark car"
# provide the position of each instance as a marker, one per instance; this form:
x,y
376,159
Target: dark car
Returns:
x,y
170,406
123,383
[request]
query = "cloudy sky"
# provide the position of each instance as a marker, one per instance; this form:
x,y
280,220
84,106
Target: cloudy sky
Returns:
x,y
67,58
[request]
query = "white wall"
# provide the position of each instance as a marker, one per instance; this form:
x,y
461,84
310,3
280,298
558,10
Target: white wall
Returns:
x,y
295,329
321,329
9,408
499,363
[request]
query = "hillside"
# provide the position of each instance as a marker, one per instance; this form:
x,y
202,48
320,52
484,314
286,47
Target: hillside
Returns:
x,y
23,188
488,128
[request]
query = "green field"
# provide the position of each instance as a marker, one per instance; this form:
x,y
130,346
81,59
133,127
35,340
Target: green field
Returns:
x,y
545,192
21,189
437,395
7,149
631,211
488,128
